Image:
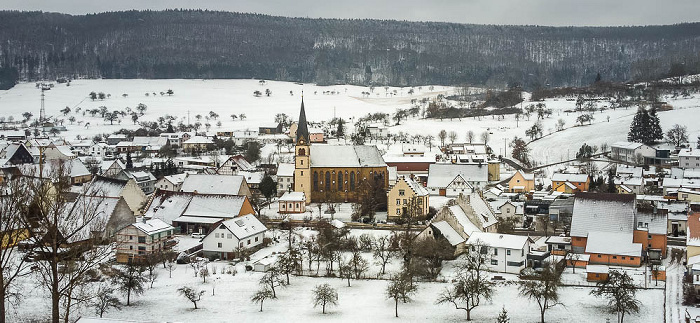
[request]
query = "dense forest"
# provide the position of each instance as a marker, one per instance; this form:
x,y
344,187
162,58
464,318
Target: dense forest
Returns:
x,y
210,44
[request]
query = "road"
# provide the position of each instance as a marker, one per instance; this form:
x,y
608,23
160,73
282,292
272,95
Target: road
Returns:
x,y
674,294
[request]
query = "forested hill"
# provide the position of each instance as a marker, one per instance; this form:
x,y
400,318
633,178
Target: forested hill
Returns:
x,y
206,44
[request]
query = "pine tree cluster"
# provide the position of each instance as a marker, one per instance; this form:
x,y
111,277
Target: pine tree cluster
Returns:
x,y
645,127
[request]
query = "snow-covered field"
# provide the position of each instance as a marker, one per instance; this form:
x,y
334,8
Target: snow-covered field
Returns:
x,y
226,97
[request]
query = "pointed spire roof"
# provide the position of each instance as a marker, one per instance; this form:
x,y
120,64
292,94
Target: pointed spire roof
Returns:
x,y
302,129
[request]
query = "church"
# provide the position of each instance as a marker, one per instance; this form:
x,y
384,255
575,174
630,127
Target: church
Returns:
x,y
331,172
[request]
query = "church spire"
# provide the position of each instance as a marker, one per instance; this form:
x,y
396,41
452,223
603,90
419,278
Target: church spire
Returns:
x,y
302,129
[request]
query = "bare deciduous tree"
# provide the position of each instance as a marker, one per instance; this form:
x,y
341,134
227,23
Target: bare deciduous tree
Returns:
x,y
191,294
325,295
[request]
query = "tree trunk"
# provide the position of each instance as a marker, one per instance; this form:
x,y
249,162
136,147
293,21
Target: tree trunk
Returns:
x,y
469,315
542,316
55,296
324,307
195,305
128,297
261,304
396,306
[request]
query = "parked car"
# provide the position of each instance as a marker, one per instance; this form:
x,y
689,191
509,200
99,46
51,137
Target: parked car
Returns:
x,y
197,235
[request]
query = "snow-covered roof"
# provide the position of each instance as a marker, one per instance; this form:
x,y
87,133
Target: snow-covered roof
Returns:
x,y
527,176
252,177
176,179
293,197
626,145
167,206
652,223
441,175
415,186
213,184
629,171
629,181
558,240
576,178
74,166
103,186
285,169
483,210
463,220
498,240
602,212
613,243
215,206
244,226
689,152
199,140
152,226
448,232
346,156
597,269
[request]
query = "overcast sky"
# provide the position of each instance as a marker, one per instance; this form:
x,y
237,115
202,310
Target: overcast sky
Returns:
x,y
512,12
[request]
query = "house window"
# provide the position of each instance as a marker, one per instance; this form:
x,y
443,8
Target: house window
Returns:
x,y
508,252
248,241
599,256
216,235
398,201
230,236
398,211
623,257
302,173
301,162
494,262
495,252
219,244
631,258
256,239
614,257
404,202
142,239
402,192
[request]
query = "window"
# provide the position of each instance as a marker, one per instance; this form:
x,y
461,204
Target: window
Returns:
x,y
398,201
301,162
599,256
495,251
623,257
398,211
352,181
142,239
302,173
340,181
402,192
614,257
315,181
404,202
216,235
219,244
230,236
494,262
248,241
508,252
328,181
256,239
631,258
131,237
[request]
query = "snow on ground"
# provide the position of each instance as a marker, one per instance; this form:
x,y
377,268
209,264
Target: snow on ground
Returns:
x,y
363,302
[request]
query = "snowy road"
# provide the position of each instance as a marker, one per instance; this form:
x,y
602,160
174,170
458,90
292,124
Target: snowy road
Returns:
x,y
674,293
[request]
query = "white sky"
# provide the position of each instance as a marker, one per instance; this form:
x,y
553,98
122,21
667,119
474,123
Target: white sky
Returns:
x,y
510,12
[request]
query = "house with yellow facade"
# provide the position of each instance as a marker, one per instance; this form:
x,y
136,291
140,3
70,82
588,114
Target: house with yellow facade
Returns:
x,y
407,195
521,182
570,183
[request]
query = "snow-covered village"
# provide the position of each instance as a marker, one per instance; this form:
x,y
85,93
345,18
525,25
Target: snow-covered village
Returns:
x,y
376,196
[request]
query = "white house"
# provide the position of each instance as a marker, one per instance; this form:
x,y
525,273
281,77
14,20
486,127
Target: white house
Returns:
x,y
451,180
630,151
171,183
285,178
239,232
506,253
689,158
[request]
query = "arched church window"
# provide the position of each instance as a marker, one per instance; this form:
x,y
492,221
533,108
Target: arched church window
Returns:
x,y
352,181
302,152
328,181
340,181
315,181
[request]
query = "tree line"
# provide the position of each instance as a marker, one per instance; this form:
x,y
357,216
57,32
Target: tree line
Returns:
x,y
211,44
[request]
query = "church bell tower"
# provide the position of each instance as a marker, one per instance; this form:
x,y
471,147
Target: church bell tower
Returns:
x,y
302,160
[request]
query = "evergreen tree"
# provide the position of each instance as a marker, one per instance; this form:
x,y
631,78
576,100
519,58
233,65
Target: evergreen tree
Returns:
x,y
611,181
129,162
655,132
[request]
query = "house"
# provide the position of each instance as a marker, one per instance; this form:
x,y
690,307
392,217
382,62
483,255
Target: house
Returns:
x,y
114,169
597,273
216,184
106,216
453,224
15,154
191,212
253,179
557,245
101,150
292,202
264,264
631,152
570,183
689,158
629,185
285,178
270,129
377,131
142,239
506,253
407,196
173,138
73,168
233,165
144,179
63,152
693,239
171,182
522,182
452,180
115,188
230,235
114,139
316,135
609,228
197,144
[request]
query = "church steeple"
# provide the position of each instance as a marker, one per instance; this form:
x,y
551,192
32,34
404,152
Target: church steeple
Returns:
x,y
302,129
